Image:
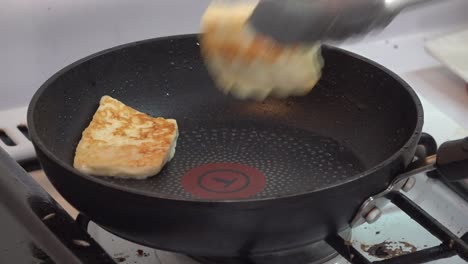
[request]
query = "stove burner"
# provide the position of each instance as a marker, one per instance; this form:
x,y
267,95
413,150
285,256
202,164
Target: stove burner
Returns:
x,y
224,181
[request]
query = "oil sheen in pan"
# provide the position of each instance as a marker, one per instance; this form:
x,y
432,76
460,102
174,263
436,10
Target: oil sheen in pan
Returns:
x,y
292,160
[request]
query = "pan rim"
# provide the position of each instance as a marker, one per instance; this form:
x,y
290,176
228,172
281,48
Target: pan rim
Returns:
x,y
38,143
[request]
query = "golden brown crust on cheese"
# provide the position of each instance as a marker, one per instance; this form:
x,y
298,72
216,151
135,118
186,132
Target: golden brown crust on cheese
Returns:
x,y
234,45
121,141
250,65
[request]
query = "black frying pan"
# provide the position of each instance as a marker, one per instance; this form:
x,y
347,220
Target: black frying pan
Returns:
x,y
247,176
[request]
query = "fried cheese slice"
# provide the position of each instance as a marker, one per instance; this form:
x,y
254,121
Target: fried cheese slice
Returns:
x,y
123,142
249,65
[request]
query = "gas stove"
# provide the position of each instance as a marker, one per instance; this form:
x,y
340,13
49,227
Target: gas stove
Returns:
x,y
38,225
394,234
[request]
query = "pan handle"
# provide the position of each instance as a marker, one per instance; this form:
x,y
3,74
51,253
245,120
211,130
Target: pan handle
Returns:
x,y
450,246
427,145
83,221
450,164
452,160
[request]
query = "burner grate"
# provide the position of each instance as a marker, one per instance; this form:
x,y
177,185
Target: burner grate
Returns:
x,y
14,137
451,244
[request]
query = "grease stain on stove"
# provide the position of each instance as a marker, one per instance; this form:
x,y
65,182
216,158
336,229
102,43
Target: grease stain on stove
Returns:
x,y
120,257
389,249
141,253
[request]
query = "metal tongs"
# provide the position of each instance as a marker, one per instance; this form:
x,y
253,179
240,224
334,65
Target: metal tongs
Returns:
x,y
308,21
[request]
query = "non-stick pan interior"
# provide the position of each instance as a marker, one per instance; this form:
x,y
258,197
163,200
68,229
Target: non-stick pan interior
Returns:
x,y
357,117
